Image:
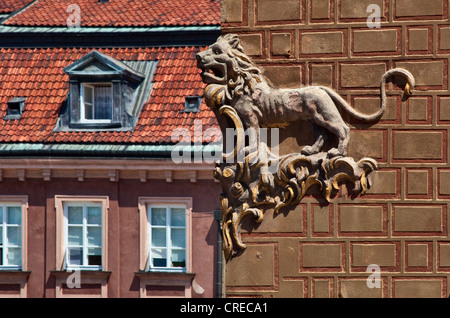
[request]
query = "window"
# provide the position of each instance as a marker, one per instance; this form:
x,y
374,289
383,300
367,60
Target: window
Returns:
x,y
83,237
192,104
167,237
11,236
96,102
15,108
165,234
81,232
13,224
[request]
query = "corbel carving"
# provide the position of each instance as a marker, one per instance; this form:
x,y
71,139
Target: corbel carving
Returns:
x,y
46,174
142,175
113,175
254,177
21,174
80,175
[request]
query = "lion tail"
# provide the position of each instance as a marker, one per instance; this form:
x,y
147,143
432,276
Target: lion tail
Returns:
x,y
409,86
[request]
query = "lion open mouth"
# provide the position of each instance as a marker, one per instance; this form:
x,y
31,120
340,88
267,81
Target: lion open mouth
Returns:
x,y
214,74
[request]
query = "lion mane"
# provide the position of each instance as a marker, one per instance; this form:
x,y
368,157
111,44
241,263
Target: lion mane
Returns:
x,y
241,73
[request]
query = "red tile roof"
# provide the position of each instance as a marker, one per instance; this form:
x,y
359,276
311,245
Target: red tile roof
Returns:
x,y
9,6
38,75
120,13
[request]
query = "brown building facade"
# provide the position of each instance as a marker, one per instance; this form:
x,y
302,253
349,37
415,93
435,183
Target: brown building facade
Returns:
x,y
398,232
120,209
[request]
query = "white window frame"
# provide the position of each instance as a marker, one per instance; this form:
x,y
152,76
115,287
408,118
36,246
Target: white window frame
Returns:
x,y
62,231
22,202
169,249
83,118
145,229
84,226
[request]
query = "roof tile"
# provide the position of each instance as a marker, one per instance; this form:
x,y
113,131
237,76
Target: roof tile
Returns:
x,y
116,13
42,80
9,6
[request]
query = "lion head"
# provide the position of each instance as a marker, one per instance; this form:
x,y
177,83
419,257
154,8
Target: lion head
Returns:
x,y
226,70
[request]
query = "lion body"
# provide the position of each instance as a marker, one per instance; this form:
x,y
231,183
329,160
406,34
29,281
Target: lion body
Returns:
x,y
233,80
271,107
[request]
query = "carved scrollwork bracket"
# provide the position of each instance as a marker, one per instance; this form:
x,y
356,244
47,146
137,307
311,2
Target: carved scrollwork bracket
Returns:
x,y
267,181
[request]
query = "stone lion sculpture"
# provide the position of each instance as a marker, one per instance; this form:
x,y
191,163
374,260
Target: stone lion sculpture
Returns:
x,y
242,99
233,80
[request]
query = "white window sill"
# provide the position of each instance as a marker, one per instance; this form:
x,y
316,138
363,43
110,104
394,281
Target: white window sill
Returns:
x,y
167,270
96,121
83,268
95,125
10,268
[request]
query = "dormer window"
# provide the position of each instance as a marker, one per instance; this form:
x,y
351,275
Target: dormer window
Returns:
x,y
105,93
192,104
15,108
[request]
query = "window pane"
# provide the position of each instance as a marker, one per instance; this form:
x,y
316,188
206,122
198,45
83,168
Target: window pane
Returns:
x,y
159,258
88,111
75,235
75,256
75,214
95,256
159,237
178,238
103,102
1,235
158,216
1,255
94,215
178,258
14,214
88,94
1,214
14,256
14,235
94,235
178,217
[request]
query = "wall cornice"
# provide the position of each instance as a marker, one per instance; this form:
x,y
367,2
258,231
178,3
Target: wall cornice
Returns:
x,y
48,169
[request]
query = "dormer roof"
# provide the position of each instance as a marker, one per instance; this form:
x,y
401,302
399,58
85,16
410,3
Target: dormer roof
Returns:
x,y
99,64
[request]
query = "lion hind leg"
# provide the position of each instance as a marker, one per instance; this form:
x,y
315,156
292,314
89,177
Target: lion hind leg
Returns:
x,y
342,132
333,123
321,136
